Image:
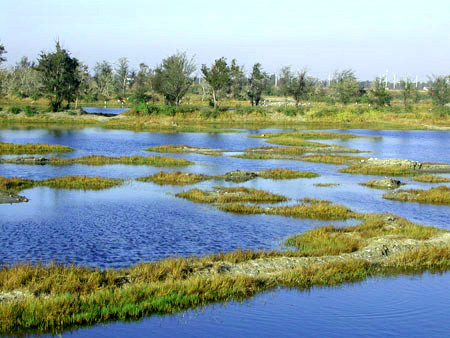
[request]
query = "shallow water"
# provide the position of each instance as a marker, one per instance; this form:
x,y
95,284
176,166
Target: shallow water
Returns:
x,y
144,221
405,306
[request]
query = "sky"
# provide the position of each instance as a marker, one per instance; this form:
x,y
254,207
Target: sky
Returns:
x,y
371,37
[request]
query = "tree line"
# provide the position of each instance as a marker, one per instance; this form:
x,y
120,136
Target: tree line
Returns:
x,y
65,80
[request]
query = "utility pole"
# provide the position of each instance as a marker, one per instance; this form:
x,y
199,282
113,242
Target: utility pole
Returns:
x,y
394,81
385,79
329,80
416,81
276,80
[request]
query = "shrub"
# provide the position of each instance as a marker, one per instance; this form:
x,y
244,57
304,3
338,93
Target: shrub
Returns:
x,y
15,110
30,111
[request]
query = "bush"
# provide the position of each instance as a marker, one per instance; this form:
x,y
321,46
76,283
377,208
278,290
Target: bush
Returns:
x,y
209,113
30,111
15,110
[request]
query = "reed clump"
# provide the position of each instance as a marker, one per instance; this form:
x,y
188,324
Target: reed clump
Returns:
x,y
222,195
332,159
431,179
284,174
19,149
16,184
438,195
313,209
184,149
156,161
175,178
379,170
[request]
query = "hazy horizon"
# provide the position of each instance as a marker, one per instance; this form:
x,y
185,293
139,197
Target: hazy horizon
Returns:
x,y
403,37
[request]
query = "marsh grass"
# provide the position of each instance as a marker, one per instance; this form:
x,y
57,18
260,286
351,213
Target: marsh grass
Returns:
x,y
332,159
69,296
379,170
284,174
222,195
184,149
431,179
175,178
156,161
438,195
324,185
331,240
308,135
17,184
313,209
18,149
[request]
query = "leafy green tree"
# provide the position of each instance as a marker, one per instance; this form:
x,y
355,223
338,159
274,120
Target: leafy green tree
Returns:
x,y
407,91
440,89
218,78
84,90
344,85
284,83
172,77
2,51
142,83
379,94
257,84
300,86
104,79
24,80
59,76
238,80
122,73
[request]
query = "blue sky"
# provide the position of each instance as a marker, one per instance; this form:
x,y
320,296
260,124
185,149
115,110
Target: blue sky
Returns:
x,y
404,37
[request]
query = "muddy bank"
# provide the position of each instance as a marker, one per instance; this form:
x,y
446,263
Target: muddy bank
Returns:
x,y
9,197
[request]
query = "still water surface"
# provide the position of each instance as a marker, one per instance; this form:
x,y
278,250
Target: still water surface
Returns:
x,y
144,221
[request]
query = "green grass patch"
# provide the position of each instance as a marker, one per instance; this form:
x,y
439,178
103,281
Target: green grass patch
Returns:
x,y
175,178
222,195
379,170
184,149
285,174
332,159
17,149
431,179
438,195
156,161
16,184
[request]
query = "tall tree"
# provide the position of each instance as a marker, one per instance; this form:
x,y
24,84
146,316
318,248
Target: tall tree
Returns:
x,y
2,51
300,86
344,85
379,94
142,83
257,83
122,74
440,89
285,81
104,78
24,79
172,77
407,91
238,79
218,77
59,76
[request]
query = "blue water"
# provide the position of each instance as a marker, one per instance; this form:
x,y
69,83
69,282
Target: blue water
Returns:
x,y
104,111
404,306
144,221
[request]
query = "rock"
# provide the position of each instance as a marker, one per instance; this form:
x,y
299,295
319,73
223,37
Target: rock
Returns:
x,y
240,176
387,183
7,197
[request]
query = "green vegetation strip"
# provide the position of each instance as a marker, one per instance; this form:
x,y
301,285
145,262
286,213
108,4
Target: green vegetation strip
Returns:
x,y
16,184
55,297
438,195
222,195
332,159
184,149
184,178
156,161
175,178
18,149
431,179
